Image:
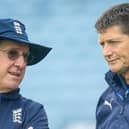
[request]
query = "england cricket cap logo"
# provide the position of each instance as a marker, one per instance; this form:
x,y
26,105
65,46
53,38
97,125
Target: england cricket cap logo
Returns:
x,y
17,27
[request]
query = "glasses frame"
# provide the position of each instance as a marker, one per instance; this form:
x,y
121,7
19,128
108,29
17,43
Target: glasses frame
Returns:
x,y
14,54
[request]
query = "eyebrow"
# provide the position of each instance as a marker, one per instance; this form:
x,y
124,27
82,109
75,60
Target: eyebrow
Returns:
x,y
112,39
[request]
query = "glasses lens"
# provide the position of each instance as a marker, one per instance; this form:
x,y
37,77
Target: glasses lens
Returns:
x,y
26,56
13,54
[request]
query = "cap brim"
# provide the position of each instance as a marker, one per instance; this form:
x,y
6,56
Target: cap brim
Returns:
x,y
37,52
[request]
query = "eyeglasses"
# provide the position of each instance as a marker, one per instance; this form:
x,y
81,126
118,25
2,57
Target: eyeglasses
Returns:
x,y
14,54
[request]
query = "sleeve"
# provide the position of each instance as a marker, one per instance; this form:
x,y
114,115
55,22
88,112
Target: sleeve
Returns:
x,y
36,117
102,111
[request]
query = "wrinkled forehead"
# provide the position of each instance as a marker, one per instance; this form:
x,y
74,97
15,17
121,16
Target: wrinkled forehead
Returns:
x,y
111,32
5,43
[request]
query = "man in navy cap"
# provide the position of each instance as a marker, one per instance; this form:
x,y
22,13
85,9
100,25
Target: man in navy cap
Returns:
x,y
17,52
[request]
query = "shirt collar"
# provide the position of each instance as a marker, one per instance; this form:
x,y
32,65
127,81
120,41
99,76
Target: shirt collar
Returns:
x,y
12,95
113,79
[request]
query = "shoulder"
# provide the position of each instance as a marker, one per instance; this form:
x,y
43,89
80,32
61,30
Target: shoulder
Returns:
x,y
34,114
31,105
104,106
104,102
30,102
105,95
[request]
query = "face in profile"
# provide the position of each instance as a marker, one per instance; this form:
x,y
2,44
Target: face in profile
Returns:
x,y
115,47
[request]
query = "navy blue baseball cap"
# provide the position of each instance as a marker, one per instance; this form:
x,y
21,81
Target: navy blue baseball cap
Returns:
x,y
15,30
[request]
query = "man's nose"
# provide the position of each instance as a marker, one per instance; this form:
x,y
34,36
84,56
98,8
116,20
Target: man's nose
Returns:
x,y
107,50
20,62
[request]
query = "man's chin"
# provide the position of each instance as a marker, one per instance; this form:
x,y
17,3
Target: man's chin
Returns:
x,y
12,85
115,69
119,70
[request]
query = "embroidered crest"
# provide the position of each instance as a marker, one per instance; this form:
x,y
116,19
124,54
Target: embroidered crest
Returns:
x,y
17,27
17,115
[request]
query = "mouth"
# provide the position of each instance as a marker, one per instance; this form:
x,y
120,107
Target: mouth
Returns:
x,y
112,61
15,74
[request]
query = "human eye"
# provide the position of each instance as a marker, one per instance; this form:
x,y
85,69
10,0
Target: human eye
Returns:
x,y
101,44
13,54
